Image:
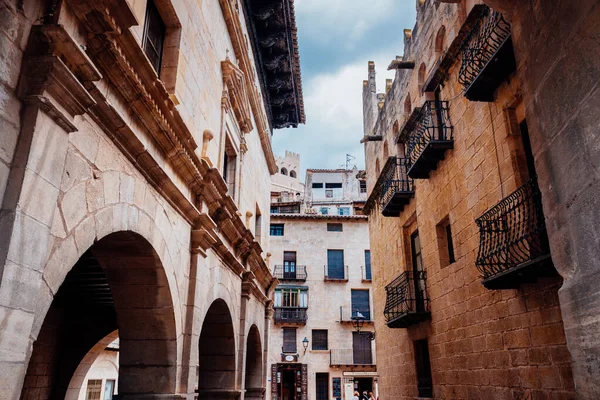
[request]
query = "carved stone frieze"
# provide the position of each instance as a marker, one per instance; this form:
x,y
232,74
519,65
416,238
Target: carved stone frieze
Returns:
x,y
235,84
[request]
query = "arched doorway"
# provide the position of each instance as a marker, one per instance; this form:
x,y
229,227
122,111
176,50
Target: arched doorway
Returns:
x,y
254,365
119,283
216,356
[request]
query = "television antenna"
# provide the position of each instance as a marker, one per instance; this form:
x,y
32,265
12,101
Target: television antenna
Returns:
x,y
349,159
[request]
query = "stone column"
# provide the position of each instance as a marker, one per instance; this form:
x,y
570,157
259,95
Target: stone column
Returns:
x,y
52,97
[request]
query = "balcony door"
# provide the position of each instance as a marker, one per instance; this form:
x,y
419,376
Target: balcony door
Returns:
x,y
361,349
335,264
360,304
417,265
289,265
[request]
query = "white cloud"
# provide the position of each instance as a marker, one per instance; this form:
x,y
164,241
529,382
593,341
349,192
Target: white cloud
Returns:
x,y
328,21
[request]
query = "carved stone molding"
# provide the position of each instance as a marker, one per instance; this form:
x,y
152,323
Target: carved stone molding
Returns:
x,y
235,88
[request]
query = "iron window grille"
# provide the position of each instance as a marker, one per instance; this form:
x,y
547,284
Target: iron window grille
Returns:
x,y
512,233
298,273
319,339
487,55
407,299
432,125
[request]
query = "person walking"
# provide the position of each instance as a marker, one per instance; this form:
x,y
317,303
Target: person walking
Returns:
x,y
371,396
355,397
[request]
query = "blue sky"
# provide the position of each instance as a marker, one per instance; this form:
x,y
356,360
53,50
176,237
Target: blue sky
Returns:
x,y
337,38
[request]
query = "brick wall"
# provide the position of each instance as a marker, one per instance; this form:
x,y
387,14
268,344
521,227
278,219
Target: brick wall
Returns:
x,y
483,344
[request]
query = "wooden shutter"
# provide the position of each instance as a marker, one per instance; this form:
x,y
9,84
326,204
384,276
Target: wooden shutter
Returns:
x,y
335,264
361,349
289,340
319,339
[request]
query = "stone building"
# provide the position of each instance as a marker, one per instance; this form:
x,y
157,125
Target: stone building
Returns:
x,y
135,149
288,177
483,203
322,262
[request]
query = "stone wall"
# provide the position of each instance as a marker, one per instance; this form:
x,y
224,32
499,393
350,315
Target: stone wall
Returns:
x,y
482,343
98,154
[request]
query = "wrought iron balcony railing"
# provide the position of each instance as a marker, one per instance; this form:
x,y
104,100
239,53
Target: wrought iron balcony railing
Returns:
x,y
348,313
335,272
431,135
290,315
513,244
407,300
283,273
397,188
487,56
359,356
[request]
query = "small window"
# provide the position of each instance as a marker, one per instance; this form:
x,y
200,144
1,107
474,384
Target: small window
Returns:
x,y
289,340
317,185
292,174
154,36
445,244
360,304
423,367
276,229
368,275
319,339
284,171
324,210
333,185
363,186
274,210
94,389
328,193
344,211
335,227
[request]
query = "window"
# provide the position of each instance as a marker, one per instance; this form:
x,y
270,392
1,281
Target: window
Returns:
x,y
322,386
335,227
423,367
335,264
319,339
324,210
344,211
333,185
94,389
294,298
363,186
230,168
109,389
292,174
276,229
328,193
289,265
368,275
154,36
274,210
289,340
361,349
258,225
445,244
360,304
317,185
284,171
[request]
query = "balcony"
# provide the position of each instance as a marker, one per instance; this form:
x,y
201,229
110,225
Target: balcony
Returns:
x,y
335,273
431,134
513,244
298,273
290,315
351,357
487,56
347,313
407,300
396,187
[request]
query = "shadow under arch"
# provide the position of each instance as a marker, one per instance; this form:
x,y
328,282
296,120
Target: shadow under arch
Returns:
x,y
216,356
254,365
118,283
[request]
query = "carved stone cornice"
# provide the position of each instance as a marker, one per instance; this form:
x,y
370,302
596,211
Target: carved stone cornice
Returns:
x,y
111,53
236,34
249,288
235,89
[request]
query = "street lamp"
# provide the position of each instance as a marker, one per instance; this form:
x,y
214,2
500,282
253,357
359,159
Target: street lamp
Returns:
x,y
358,321
305,344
